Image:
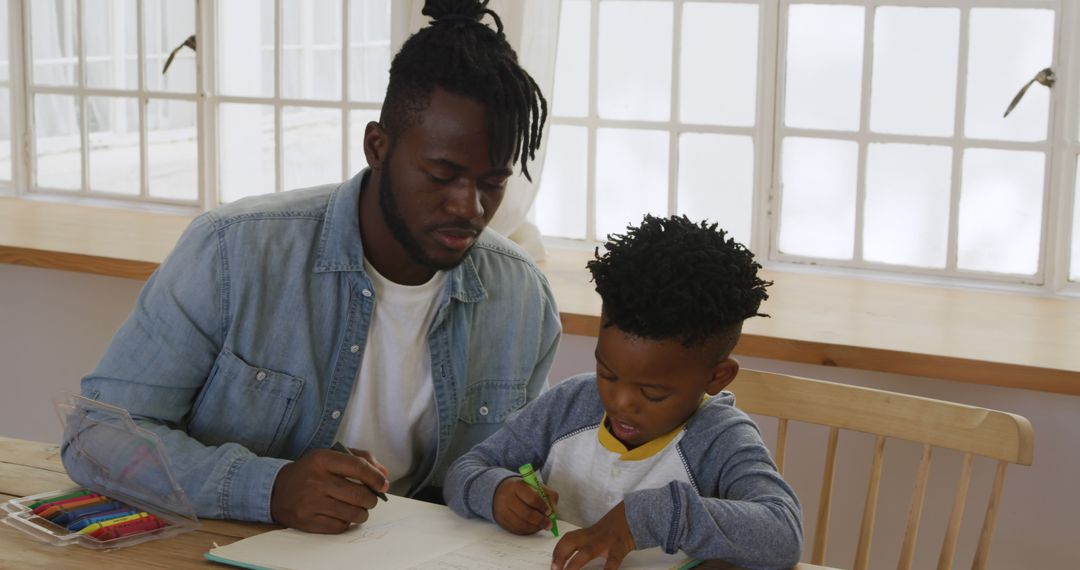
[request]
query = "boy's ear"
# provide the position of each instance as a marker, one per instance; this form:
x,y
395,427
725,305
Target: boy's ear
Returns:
x,y
376,145
722,375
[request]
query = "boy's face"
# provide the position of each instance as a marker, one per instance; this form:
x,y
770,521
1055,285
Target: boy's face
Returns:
x,y
649,387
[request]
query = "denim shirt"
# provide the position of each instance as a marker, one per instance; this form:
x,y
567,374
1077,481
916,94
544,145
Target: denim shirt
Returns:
x,y
242,349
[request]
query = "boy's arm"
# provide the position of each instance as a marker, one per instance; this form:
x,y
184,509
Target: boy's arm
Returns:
x,y
755,523
526,438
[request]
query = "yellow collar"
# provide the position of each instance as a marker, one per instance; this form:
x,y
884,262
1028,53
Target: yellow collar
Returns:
x,y
643,451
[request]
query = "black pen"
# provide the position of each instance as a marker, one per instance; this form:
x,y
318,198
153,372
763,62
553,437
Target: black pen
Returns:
x,y
339,447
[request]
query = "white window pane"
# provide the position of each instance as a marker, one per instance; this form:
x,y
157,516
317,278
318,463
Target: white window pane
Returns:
x,y
113,123
172,149
358,121
52,36
312,141
1001,211
631,178
245,63
167,25
1007,49
571,93
5,133
5,71
718,76
906,214
716,181
634,75
311,49
112,57
57,141
561,200
817,215
245,150
369,49
914,77
824,67
1074,266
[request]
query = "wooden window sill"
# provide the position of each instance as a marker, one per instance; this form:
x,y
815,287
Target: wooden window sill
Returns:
x,y
981,337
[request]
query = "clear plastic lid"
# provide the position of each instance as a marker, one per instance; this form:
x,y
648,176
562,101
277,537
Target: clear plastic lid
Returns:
x,y
118,459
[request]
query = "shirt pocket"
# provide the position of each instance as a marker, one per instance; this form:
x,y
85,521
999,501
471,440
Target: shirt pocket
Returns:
x,y
244,404
492,401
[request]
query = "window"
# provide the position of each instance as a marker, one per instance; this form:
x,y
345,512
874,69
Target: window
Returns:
x,y
6,103
104,121
849,134
297,80
661,98
304,100
858,135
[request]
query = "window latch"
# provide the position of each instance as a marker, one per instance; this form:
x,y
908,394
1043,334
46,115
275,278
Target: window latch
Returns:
x,y
189,42
1045,77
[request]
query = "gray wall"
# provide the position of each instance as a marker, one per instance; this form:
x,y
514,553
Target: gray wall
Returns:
x,y
55,324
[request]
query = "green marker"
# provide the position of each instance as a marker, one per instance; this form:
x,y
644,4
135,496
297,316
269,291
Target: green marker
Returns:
x,y
532,478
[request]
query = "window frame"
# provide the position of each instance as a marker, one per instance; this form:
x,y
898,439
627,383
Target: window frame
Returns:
x,y
761,133
1053,236
25,185
1067,155
1062,147
205,96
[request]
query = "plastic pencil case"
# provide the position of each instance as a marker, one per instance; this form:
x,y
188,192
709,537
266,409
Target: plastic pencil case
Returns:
x,y
125,464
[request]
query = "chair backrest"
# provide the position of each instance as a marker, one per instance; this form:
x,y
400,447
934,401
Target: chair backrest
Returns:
x,y
973,431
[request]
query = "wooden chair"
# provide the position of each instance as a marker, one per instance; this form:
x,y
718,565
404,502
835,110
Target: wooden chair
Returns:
x,y
934,423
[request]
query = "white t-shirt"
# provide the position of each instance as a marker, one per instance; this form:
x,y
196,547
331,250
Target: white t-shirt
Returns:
x,y
578,462
391,411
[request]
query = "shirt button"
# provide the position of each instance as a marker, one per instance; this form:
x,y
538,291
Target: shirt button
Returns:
x,y
354,348
260,376
336,414
366,292
483,410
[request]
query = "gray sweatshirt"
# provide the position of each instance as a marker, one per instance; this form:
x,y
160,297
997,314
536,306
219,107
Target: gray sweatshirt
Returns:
x,y
712,491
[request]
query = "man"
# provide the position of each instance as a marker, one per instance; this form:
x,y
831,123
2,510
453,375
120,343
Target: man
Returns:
x,y
378,312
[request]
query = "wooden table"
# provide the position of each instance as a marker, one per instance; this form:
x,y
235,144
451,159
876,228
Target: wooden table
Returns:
x,y
27,468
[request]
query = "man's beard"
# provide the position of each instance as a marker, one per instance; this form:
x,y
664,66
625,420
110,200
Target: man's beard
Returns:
x,y
394,221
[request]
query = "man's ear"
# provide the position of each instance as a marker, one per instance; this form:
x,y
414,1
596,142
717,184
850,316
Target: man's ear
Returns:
x,y
376,145
722,375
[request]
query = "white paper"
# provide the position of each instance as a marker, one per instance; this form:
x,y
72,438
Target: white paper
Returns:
x,y
408,534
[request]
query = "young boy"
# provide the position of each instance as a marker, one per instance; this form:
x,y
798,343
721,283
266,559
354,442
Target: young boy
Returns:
x,y
637,454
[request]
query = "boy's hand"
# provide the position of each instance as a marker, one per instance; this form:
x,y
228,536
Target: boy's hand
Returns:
x,y
326,491
609,538
518,508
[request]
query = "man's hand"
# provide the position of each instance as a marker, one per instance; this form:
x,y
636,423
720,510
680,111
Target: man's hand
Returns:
x,y
518,508
326,491
610,538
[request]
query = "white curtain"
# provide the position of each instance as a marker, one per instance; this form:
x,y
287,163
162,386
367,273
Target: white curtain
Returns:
x,y
532,28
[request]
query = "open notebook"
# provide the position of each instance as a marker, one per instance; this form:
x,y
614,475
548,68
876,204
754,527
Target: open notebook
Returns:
x,y
408,534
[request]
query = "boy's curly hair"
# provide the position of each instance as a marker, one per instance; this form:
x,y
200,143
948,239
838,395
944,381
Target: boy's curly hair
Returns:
x,y
670,278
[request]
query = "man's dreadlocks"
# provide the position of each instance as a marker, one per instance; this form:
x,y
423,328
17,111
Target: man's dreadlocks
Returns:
x,y
460,54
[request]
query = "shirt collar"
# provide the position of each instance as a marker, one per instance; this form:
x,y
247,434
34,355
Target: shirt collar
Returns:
x,y
645,450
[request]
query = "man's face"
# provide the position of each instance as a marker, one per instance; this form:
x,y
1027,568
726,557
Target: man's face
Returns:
x,y
438,189
649,387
